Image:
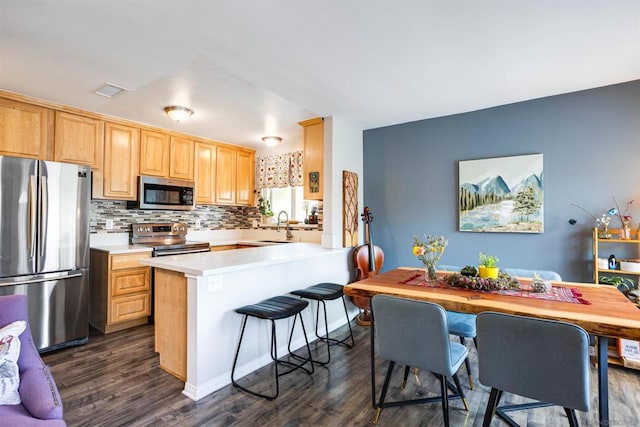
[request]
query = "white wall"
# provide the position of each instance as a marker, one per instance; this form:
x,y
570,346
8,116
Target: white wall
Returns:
x,y
342,151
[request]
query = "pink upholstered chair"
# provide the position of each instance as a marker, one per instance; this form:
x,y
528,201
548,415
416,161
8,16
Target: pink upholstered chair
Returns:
x,y
41,404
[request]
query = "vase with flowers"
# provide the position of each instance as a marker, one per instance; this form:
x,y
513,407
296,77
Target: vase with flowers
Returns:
x,y
429,252
625,220
603,224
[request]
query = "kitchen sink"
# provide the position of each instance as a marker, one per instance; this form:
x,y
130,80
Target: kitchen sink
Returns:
x,y
275,241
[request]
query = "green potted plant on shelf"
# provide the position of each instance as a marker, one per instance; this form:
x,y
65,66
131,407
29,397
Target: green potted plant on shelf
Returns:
x,y
623,284
264,207
488,266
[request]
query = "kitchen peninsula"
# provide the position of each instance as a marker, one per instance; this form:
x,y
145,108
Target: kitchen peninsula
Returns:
x,y
197,329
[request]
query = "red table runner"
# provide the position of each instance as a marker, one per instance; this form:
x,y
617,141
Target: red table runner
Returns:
x,y
557,293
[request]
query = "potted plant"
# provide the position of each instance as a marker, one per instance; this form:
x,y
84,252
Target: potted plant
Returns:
x,y
623,284
488,266
264,207
313,218
469,271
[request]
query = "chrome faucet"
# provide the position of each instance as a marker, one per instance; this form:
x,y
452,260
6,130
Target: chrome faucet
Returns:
x,y
286,215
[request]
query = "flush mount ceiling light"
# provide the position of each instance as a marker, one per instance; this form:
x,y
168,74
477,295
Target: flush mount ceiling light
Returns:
x,y
271,141
178,113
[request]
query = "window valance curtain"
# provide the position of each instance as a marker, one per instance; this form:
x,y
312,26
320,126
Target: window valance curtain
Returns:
x,y
278,171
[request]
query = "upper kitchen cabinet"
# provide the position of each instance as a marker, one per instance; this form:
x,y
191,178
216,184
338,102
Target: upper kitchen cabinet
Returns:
x,y
181,158
166,156
204,173
235,172
121,152
245,177
154,153
79,140
26,130
313,157
226,175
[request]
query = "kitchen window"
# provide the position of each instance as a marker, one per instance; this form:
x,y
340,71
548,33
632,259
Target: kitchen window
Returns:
x,y
288,199
279,180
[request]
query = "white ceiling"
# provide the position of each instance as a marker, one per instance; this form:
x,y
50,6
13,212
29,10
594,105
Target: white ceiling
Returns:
x,y
252,68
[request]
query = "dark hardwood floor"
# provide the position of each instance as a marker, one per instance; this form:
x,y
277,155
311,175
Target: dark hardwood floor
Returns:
x,y
114,380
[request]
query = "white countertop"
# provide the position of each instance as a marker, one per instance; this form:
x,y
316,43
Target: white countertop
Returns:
x,y
118,243
121,249
209,263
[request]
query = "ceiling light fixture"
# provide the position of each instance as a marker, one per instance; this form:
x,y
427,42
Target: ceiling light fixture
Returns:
x,y
178,113
271,141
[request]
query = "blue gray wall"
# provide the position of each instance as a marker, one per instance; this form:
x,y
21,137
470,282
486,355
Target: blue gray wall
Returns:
x,y
591,146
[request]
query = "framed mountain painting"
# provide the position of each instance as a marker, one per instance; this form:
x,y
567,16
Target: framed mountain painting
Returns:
x,y
502,194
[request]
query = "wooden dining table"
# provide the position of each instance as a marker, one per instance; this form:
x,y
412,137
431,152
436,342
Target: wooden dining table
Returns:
x,y
608,313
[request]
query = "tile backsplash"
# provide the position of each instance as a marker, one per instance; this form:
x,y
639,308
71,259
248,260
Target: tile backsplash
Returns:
x,y
211,217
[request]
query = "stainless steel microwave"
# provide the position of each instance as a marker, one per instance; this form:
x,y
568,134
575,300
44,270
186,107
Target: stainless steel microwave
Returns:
x,y
165,193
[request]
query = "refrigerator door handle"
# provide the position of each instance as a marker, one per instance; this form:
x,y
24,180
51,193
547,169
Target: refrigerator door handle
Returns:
x,y
38,278
33,215
44,203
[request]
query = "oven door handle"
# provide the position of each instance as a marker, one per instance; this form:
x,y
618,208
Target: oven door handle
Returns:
x,y
181,252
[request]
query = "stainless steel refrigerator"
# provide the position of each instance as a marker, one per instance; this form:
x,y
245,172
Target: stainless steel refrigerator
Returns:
x,y
44,246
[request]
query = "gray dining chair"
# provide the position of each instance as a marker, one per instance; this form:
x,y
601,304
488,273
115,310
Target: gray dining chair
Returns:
x,y
463,325
415,333
543,360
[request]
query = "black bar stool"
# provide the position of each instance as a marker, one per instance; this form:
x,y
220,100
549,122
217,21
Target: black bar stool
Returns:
x,y
326,292
280,307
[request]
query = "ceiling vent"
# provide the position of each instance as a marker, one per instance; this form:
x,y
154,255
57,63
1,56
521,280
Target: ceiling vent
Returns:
x,y
109,90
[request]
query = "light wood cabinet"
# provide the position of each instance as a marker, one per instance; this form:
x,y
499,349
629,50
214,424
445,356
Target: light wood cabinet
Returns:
x,y
118,152
245,177
226,175
181,158
204,173
219,248
170,328
121,151
154,153
120,291
79,140
235,176
313,158
26,130
166,156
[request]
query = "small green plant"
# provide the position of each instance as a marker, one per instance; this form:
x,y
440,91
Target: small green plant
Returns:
x,y
623,284
469,271
264,206
487,260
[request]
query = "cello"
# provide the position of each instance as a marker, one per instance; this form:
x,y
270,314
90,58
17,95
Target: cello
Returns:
x,y
368,259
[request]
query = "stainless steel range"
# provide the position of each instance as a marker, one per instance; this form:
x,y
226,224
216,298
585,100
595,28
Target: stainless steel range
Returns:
x,y
166,238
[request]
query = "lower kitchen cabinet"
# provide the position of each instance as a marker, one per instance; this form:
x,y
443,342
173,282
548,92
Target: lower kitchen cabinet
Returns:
x,y
120,291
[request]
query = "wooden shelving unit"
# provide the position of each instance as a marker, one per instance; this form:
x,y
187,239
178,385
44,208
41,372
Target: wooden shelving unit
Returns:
x,y
597,241
614,358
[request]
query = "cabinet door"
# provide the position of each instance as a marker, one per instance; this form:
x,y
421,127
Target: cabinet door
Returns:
x,y
245,177
181,164
154,153
313,158
129,307
205,168
131,281
121,150
25,130
79,140
225,175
